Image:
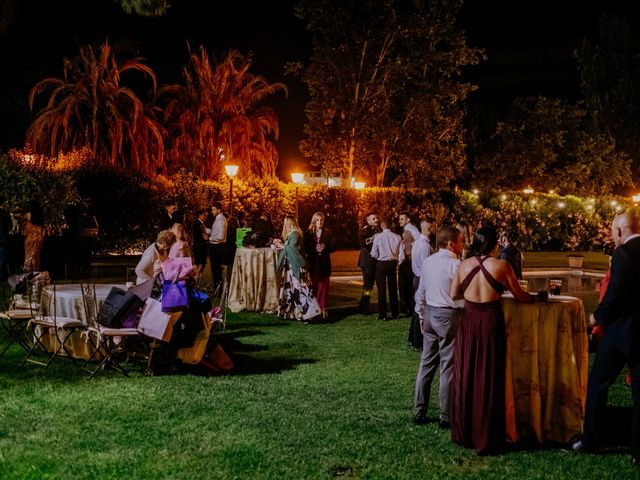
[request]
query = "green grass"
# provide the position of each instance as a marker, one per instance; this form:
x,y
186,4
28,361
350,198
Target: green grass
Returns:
x,y
304,401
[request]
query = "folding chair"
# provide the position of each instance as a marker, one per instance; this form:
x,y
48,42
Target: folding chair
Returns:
x,y
44,324
109,341
219,313
15,320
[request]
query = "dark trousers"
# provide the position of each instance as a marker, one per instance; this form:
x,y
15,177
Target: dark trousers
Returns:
x,y
386,275
613,353
216,257
405,285
368,279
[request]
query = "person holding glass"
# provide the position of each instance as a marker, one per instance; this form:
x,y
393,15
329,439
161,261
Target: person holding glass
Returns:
x,y
318,243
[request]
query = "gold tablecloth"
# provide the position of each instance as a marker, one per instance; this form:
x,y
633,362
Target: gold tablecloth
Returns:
x,y
254,284
547,368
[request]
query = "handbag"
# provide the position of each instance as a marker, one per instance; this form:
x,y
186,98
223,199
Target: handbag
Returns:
x,y
217,361
155,323
118,305
193,354
199,301
175,297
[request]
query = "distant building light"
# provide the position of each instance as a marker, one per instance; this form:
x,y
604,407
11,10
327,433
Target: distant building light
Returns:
x,y
297,178
528,190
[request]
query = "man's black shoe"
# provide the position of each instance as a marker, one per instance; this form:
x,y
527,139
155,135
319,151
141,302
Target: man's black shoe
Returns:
x,y
445,424
420,419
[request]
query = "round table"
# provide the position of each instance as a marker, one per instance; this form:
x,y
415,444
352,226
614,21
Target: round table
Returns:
x,y
69,300
547,368
255,285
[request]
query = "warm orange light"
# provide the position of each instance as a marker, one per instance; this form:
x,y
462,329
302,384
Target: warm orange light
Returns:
x,y
232,170
528,190
297,178
636,198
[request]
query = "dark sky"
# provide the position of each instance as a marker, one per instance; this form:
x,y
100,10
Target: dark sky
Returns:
x,y
529,44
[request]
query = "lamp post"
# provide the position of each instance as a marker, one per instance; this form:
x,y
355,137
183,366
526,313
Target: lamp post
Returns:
x,y
298,179
232,171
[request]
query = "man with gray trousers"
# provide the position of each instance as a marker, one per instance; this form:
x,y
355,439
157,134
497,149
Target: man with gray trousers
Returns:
x,y
439,316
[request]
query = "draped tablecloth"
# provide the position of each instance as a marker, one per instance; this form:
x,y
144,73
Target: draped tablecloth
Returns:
x,y
69,300
254,286
547,368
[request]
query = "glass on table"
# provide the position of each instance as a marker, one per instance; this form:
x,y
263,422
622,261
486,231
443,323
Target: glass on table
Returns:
x,y
555,285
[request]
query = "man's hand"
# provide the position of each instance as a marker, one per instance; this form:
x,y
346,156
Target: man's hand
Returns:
x,y
592,320
422,325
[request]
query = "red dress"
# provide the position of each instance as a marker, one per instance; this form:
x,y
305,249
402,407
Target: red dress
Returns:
x,y
478,385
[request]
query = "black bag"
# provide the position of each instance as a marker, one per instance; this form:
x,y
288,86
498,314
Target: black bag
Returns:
x,y
118,306
18,281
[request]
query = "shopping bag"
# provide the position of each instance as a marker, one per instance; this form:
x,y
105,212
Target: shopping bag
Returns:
x,y
155,323
175,297
118,305
193,354
172,268
199,301
217,361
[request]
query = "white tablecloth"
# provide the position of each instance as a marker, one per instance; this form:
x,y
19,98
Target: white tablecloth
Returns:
x,y
69,300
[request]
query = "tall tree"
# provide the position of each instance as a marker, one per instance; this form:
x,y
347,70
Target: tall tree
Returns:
x,y
90,106
384,99
544,143
610,83
218,116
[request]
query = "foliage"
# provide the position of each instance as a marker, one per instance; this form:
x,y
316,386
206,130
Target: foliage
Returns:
x,y
217,116
145,8
384,98
91,107
610,83
23,184
544,143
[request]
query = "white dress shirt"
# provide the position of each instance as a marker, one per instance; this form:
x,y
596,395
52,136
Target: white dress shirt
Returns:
x,y
419,252
438,271
218,230
386,246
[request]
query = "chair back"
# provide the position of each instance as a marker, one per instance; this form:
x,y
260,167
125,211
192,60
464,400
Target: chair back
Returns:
x,y
90,302
35,287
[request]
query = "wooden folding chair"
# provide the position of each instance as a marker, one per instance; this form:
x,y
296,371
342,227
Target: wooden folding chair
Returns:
x,y
43,324
110,342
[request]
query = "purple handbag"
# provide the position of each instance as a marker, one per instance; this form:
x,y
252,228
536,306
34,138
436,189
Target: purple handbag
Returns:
x,y
174,296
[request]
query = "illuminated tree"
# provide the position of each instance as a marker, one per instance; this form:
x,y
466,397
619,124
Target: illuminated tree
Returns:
x,y
91,107
218,115
385,101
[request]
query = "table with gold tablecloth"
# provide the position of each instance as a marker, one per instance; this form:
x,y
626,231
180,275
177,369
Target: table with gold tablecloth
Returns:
x,y
547,368
255,285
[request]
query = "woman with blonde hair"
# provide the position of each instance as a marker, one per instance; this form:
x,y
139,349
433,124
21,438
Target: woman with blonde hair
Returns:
x,y
151,262
318,243
296,298
181,246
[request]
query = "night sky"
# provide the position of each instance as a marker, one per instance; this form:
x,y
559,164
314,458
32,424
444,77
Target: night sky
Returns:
x,y
529,44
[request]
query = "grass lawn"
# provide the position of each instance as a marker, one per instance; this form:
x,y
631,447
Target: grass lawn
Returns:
x,y
304,401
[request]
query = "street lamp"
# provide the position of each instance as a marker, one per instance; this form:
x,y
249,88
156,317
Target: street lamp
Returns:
x,y
232,171
359,185
636,198
298,179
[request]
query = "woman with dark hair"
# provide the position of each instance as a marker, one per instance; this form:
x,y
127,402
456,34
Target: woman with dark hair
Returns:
x,y
478,384
318,244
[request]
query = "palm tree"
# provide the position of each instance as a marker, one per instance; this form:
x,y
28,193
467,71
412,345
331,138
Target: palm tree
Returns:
x,y
89,107
216,117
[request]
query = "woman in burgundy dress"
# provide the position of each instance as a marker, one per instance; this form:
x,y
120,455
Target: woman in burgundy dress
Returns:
x,y
318,244
478,384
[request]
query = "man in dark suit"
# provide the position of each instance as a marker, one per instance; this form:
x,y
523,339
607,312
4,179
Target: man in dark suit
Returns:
x,y
366,262
619,313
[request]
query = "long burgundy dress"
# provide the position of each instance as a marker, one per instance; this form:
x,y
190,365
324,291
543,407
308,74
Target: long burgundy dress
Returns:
x,y
478,384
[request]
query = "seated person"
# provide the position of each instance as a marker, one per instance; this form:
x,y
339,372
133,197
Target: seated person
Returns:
x,y
151,262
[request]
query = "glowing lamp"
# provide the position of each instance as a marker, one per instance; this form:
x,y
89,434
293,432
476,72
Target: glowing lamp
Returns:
x,y
358,185
528,190
232,170
636,197
476,191
561,204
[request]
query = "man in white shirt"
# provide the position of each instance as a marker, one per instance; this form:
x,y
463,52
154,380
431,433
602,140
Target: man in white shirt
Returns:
x,y
439,316
217,243
387,250
420,250
405,274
